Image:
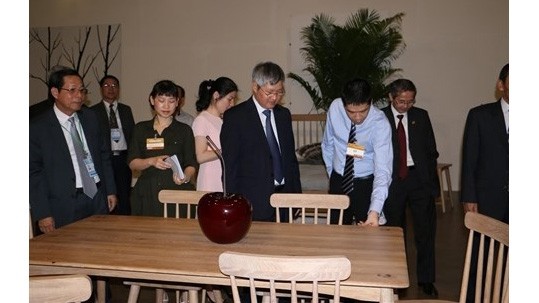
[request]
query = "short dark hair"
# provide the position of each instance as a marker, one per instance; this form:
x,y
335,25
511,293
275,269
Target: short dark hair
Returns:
x,y
164,88
401,85
181,91
504,73
56,79
102,81
356,91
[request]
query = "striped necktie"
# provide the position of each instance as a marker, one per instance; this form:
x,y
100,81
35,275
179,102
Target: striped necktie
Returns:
x,y
348,174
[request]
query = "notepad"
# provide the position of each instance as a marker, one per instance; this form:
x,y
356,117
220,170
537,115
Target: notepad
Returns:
x,y
176,167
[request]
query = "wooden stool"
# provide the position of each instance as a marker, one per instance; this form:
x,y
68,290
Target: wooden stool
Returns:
x,y
444,167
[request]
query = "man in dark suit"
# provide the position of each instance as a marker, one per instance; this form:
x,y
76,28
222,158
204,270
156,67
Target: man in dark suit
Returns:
x,y
116,121
415,179
70,172
484,176
43,106
252,169
485,156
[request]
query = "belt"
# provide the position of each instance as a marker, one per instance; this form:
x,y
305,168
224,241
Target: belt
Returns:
x,y
278,188
119,152
368,177
79,190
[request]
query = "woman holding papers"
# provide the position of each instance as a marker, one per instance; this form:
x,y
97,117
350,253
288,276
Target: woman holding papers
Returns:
x,y
153,142
214,98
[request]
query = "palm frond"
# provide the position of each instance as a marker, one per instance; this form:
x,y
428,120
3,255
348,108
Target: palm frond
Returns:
x,y
365,46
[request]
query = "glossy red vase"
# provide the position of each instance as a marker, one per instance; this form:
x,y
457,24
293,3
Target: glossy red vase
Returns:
x,y
224,219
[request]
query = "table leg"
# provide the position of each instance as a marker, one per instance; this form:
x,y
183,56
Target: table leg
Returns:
x,y
387,296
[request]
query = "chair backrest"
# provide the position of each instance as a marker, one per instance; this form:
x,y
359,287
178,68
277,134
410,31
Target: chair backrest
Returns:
x,y
189,198
316,205
60,288
493,259
284,269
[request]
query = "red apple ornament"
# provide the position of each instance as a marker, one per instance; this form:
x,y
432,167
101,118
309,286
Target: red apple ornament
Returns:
x,y
223,217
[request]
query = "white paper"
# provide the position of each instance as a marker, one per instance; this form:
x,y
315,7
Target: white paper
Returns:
x,y
176,167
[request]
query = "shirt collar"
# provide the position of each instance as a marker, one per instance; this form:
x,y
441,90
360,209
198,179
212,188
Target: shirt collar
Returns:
x,y
505,105
62,117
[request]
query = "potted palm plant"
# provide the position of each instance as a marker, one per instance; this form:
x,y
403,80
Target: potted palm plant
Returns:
x,y
364,47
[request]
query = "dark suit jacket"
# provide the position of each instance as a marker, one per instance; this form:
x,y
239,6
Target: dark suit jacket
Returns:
x,y
249,168
485,161
126,117
52,176
422,145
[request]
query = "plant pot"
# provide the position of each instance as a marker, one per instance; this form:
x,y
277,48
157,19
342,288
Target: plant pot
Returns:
x,y
224,219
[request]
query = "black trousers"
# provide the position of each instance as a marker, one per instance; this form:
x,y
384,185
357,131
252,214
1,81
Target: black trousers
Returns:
x,y
122,177
360,198
413,193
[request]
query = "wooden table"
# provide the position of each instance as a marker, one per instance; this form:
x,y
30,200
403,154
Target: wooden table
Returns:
x,y
169,249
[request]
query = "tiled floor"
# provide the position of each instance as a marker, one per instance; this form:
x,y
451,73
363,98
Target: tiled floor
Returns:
x,y
450,249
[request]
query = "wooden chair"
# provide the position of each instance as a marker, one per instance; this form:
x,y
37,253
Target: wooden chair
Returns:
x,y
443,173
494,260
60,289
284,269
182,200
316,205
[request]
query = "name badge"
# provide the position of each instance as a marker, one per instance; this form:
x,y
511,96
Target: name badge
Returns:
x,y
355,150
90,167
115,134
155,143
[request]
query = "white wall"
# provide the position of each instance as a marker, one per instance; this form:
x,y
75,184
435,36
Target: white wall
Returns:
x,y
454,52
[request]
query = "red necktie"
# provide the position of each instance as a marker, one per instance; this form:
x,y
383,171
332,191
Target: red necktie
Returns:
x,y
403,167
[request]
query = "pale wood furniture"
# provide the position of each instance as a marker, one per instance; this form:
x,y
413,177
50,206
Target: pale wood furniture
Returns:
x,y
443,173
308,128
493,237
59,288
308,132
312,208
189,201
172,250
317,206
279,268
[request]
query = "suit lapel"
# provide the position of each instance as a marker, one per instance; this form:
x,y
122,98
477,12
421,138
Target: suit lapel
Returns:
x,y
499,124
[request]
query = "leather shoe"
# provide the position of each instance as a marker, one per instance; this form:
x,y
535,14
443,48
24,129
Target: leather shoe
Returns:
x,y
429,289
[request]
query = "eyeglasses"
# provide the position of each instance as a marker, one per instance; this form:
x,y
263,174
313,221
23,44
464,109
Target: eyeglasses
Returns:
x,y
275,94
407,103
73,90
110,85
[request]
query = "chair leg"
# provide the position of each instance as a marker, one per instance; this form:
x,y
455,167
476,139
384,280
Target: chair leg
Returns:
x,y
218,296
442,192
101,290
449,189
134,291
159,295
193,296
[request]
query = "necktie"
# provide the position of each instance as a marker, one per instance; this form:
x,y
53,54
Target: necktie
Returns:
x,y
403,166
348,174
113,123
274,148
88,184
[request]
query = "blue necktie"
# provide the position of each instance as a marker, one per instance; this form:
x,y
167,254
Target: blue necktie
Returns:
x,y
348,174
274,148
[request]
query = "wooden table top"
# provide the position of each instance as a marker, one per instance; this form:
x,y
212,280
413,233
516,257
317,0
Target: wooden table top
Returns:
x,y
169,249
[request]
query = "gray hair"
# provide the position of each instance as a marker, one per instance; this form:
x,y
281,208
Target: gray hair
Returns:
x,y
267,72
